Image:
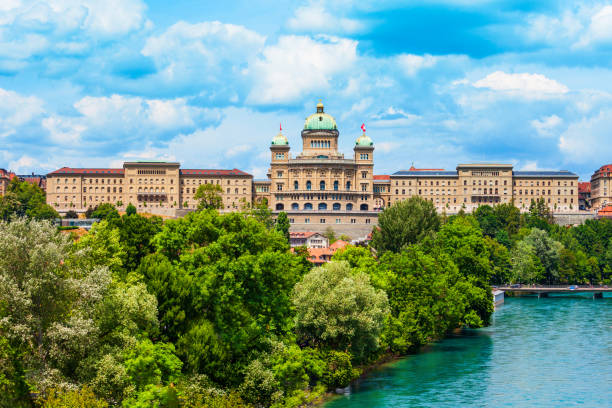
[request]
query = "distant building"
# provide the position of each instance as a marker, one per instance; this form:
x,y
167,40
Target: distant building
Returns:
x,y
584,195
39,180
319,256
308,239
605,212
5,179
601,187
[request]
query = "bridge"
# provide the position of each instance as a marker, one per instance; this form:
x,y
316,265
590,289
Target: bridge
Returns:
x,y
544,291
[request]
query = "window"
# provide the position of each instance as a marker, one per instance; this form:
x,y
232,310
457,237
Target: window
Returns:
x,y
363,207
349,207
322,220
279,187
336,185
296,185
295,206
353,221
322,185
367,221
279,174
364,174
308,185
306,220
337,220
364,156
322,207
280,206
336,206
308,206
348,186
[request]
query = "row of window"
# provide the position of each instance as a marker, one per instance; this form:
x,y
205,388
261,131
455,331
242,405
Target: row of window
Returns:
x,y
323,220
321,207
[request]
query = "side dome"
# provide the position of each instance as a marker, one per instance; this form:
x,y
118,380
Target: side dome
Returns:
x,y
320,120
364,140
280,140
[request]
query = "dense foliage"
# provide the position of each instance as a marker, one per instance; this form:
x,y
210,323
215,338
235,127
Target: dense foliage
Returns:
x,y
23,199
215,310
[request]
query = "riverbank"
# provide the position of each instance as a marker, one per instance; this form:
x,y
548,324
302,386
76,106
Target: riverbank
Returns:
x,y
537,352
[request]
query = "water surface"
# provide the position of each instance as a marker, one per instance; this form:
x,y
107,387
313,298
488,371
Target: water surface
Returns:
x,y
550,352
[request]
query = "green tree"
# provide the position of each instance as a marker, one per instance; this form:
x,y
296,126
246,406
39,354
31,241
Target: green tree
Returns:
x,y
130,209
48,301
262,213
80,398
105,211
71,214
152,364
282,224
209,197
23,199
404,223
526,266
338,310
547,250
330,234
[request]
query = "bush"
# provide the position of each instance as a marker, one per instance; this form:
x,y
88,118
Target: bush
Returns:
x,y
82,398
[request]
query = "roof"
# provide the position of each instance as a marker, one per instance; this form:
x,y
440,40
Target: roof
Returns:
x,y
320,120
605,211
306,234
72,170
6,174
560,173
421,173
339,244
213,172
584,187
412,168
385,177
604,169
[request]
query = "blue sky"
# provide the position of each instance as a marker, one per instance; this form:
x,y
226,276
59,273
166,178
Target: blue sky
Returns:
x,y
97,82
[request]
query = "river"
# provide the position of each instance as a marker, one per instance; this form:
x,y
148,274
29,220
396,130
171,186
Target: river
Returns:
x,y
550,352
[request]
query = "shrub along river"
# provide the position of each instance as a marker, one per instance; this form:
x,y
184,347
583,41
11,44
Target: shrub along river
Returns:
x,y
549,352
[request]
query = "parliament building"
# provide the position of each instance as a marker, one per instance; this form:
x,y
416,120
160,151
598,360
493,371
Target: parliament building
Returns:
x,y
315,186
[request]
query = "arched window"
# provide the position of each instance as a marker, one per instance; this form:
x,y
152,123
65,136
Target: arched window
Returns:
x,y
336,206
336,185
308,185
349,207
322,185
348,185
296,185
295,206
308,206
322,206
280,206
363,207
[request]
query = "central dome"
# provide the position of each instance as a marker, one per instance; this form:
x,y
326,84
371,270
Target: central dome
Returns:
x,y
320,120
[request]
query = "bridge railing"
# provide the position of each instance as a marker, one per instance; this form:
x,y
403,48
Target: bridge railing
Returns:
x,y
529,286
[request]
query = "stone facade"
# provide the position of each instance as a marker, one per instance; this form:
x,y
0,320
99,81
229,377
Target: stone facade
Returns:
x,y
601,187
147,185
318,187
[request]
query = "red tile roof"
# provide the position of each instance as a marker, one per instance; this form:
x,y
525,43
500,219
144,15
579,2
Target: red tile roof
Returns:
x,y
214,172
605,212
584,187
382,177
339,244
603,169
7,174
71,170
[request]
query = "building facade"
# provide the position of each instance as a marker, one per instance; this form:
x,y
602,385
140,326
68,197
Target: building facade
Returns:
x,y
147,185
601,187
584,195
319,186
5,179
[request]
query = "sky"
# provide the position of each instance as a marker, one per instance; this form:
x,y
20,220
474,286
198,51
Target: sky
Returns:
x,y
94,83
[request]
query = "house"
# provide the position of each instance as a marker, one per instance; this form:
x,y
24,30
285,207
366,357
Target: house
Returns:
x,y
308,239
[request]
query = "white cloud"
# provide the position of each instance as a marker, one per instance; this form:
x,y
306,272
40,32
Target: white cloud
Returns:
x,y
411,63
106,120
393,117
546,125
95,17
588,140
206,52
386,147
529,166
522,84
599,29
315,18
297,66
17,110
25,163
236,150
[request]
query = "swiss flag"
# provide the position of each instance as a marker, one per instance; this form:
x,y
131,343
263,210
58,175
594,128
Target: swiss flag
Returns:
x,y
363,127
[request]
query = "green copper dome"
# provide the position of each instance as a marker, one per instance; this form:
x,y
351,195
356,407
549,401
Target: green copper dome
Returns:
x,y
280,140
320,120
364,140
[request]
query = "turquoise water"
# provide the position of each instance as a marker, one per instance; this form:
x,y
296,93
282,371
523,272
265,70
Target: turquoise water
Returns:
x,y
550,352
